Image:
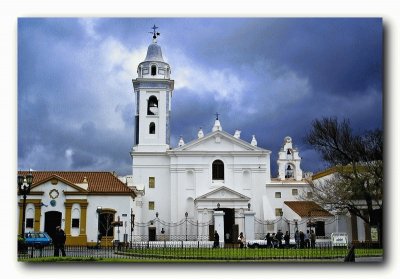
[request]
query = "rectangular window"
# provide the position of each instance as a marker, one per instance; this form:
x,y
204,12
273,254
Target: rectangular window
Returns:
x,y
29,222
151,205
270,227
152,182
75,223
295,192
309,194
278,212
278,195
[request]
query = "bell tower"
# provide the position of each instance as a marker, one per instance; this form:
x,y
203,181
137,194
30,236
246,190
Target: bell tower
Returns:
x,y
153,92
289,162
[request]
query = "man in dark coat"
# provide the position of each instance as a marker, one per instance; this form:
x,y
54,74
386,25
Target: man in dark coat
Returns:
x,y
59,242
216,240
351,255
279,236
287,239
301,236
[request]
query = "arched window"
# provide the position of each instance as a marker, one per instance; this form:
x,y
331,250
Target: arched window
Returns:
x,y
152,106
153,70
218,170
289,172
152,128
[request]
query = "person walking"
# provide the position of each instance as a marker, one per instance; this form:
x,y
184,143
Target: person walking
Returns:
x,y
59,242
274,241
268,238
307,239
279,237
351,255
313,238
216,240
241,240
297,238
301,236
287,239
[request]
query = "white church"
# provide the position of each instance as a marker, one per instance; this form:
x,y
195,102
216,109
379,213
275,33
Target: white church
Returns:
x,y
217,181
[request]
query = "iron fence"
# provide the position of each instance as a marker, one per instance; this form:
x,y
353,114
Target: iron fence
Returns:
x,y
203,251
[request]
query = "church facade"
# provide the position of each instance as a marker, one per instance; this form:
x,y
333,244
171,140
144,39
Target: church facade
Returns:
x,y
217,181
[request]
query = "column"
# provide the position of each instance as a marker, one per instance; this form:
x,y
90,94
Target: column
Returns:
x,y
68,221
219,225
38,213
249,225
82,231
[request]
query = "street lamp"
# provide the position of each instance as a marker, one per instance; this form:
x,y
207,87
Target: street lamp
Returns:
x,y
186,215
132,224
98,210
24,188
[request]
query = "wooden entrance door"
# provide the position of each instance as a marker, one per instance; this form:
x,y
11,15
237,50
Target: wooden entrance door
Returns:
x,y
152,234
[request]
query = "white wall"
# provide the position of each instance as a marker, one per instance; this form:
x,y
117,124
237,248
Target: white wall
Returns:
x,y
121,204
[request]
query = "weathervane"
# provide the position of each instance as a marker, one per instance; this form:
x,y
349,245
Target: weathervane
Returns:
x,y
155,34
217,114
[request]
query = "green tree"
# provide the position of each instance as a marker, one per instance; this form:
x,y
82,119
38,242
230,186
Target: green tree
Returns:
x,y
357,166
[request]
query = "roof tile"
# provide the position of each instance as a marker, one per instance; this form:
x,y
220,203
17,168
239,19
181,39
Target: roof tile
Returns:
x,y
307,209
98,182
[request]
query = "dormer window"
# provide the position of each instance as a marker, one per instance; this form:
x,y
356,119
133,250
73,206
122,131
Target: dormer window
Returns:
x,y
152,106
153,70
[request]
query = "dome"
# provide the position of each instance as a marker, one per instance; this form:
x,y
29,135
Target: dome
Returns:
x,y
154,53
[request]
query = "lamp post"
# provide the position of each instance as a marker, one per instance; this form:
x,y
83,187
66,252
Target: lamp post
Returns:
x,y
132,224
98,210
186,215
24,188
119,225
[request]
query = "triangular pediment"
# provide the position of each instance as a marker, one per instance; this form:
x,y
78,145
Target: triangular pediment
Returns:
x,y
223,193
218,141
56,181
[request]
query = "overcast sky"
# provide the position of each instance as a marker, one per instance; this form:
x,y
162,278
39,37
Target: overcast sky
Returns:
x,y
267,77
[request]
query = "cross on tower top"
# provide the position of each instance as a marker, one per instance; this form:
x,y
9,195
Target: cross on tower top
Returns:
x,y
155,34
217,114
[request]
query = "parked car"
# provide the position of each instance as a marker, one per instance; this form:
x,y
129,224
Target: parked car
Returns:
x,y
263,243
37,239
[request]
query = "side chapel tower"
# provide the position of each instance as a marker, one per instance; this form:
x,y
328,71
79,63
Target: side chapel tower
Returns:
x,y
153,92
289,162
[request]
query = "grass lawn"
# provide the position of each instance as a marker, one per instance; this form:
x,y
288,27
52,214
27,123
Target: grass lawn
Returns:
x,y
194,255
248,254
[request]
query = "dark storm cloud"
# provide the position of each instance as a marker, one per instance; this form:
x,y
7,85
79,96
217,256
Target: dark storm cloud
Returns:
x,y
266,77
336,55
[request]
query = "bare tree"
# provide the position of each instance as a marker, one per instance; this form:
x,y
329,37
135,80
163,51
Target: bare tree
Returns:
x,y
106,225
357,167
